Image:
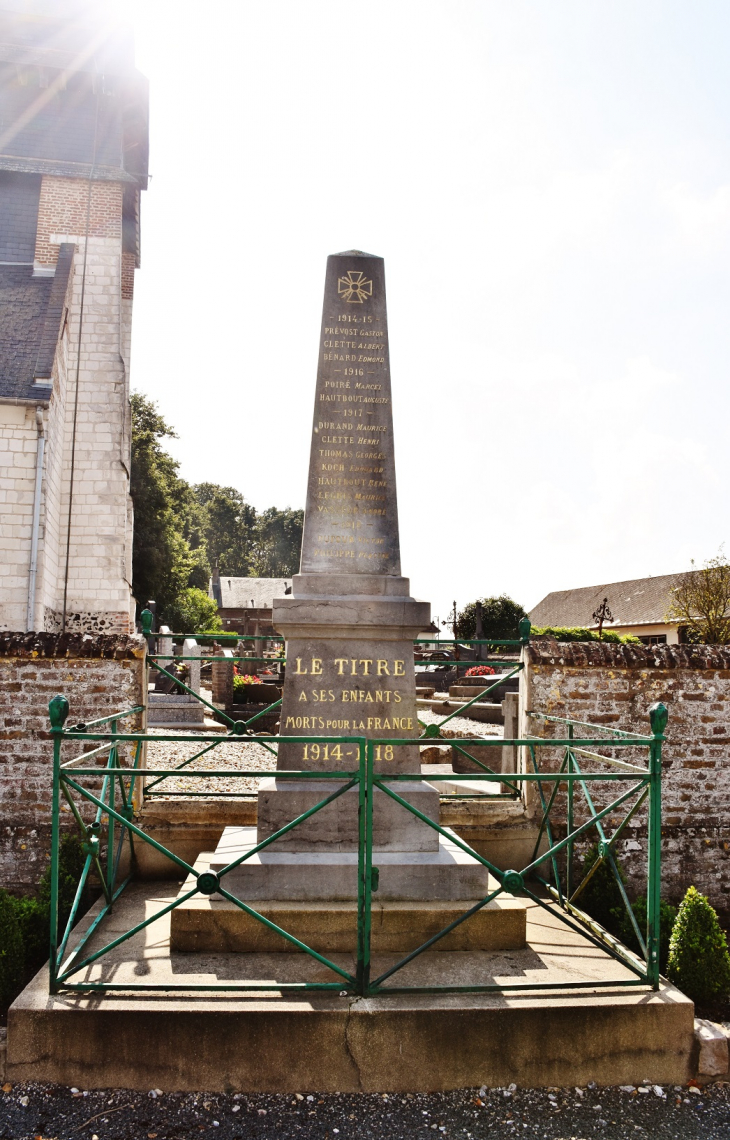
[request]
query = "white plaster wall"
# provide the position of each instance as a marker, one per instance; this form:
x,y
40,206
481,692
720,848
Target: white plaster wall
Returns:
x,y
18,438
100,560
100,534
671,632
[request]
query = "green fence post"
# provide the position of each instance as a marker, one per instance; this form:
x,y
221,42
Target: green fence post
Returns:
x,y
57,713
113,763
570,823
658,716
146,617
362,915
365,867
524,628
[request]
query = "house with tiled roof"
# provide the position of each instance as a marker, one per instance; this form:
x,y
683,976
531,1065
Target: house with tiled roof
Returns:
x,y
638,606
245,605
73,165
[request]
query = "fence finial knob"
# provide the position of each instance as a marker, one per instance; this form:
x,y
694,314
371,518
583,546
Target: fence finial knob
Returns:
x,y
58,711
658,716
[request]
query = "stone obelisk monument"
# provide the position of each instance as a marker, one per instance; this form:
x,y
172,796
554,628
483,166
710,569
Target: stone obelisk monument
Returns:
x,y
349,627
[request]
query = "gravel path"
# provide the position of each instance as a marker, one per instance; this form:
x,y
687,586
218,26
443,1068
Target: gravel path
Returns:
x,y
460,726
235,755
242,755
52,1111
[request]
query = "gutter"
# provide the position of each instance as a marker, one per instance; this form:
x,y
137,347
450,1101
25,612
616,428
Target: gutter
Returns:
x,y
27,401
35,526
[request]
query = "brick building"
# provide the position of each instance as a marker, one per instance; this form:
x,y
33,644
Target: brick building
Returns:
x,y
73,163
245,605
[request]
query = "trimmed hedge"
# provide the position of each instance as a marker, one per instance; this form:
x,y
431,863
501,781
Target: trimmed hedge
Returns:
x,y
699,963
578,633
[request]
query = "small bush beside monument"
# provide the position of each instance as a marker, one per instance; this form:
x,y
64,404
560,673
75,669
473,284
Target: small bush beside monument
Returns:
x,y
699,962
25,921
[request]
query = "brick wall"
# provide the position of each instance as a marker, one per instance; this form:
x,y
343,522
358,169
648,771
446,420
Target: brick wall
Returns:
x,y
62,211
615,685
99,675
128,267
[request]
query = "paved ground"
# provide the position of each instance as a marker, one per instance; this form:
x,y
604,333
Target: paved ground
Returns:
x,y
51,1111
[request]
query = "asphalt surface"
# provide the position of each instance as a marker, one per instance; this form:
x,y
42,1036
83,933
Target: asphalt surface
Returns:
x,y
45,1112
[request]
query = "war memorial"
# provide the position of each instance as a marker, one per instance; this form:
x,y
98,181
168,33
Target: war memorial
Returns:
x,y
347,940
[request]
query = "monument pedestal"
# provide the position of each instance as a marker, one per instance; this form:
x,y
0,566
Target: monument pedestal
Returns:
x,y
445,873
327,922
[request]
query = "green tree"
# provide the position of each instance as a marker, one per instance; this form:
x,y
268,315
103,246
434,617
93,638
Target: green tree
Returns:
x,y
161,556
181,532
193,611
228,526
500,619
702,602
278,543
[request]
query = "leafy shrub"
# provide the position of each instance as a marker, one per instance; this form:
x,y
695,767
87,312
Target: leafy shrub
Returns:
x,y
193,611
699,963
667,918
602,900
578,633
25,922
12,957
480,671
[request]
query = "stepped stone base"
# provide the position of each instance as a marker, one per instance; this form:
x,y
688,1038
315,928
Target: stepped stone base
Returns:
x,y
448,873
296,1041
335,827
214,925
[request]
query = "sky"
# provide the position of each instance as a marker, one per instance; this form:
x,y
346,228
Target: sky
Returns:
x,y
549,184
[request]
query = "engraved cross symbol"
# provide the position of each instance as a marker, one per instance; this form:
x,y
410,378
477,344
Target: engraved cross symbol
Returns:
x,y
353,287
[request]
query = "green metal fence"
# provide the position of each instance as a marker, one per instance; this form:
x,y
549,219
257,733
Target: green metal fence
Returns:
x,y
547,880
246,727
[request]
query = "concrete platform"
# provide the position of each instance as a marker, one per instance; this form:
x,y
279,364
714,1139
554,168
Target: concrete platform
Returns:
x,y
276,1041
459,784
498,830
205,925
489,713
446,873
185,827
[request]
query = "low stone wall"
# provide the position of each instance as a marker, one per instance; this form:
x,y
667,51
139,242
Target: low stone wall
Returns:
x,y
99,674
615,685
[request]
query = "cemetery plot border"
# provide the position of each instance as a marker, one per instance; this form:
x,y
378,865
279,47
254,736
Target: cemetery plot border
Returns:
x,y
114,799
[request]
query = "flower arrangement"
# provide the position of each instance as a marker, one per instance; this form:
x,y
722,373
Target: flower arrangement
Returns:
x,y
241,683
480,671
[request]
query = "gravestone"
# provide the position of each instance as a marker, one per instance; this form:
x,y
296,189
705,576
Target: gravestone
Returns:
x,y
349,626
